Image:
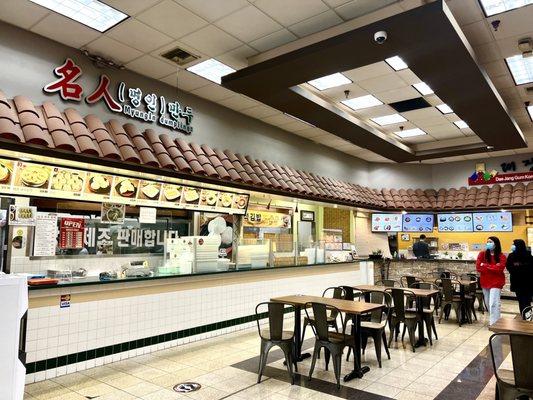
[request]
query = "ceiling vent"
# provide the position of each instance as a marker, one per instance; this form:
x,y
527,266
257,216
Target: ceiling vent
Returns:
x,y
179,56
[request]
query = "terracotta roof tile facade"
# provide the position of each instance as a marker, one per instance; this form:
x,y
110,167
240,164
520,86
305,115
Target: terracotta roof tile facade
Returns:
x,y
23,122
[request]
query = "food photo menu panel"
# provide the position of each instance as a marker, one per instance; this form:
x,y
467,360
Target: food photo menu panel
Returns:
x,y
493,222
386,222
417,223
461,222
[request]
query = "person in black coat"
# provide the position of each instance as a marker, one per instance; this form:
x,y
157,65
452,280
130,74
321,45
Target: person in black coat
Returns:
x,y
520,267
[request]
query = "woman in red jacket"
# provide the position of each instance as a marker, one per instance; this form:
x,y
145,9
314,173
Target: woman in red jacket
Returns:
x,y
490,265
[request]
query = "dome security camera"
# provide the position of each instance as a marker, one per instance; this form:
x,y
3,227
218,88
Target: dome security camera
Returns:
x,y
380,37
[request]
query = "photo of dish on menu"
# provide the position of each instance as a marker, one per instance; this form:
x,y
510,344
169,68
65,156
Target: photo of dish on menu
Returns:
x,y
240,201
67,180
386,222
225,200
460,222
6,172
190,195
32,176
493,222
171,193
208,198
98,184
149,190
126,187
417,223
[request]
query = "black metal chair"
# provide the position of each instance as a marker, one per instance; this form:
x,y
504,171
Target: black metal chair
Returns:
x,y
519,381
449,298
470,299
332,342
429,309
388,283
399,315
527,313
275,335
375,327
407,280
336,292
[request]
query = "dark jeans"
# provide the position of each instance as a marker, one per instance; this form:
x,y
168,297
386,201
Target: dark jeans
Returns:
x,y
524,299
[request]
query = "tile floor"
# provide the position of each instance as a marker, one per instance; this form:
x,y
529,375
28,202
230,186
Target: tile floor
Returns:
x,y
225,367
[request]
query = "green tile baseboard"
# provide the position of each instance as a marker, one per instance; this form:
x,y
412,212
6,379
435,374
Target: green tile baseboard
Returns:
x,y
61,361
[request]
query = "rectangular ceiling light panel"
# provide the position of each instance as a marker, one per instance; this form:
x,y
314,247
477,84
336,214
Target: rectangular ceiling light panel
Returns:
x,y
388,119
461,124
530,112
493,7
396,63
521,69
92,13
359,103
423,88
329,81
211,69
444,108
407,133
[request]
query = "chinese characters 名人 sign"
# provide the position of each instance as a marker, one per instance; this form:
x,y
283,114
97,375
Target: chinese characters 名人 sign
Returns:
x,y
132,102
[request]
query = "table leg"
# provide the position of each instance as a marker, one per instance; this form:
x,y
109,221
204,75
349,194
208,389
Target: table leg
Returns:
x,y
298,356
358,371
422,341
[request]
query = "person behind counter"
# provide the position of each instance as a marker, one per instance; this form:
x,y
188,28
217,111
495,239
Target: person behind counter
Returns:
x,y
490,264
421,248
520,267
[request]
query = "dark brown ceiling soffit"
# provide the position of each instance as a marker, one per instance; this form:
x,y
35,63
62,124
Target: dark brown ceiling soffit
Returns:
x,y
428,39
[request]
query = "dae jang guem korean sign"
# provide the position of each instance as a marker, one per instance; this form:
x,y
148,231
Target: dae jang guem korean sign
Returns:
x,y
130,101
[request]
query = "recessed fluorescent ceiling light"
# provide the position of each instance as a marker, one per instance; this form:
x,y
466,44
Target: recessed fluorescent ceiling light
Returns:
x,y
423,88
521,68
444,108
330,81
461,124
211,69
389,119
407,133
92,13
397,63
492,7
359,103
530,111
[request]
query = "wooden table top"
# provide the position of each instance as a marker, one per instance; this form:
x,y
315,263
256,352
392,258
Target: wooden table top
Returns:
x,y
347,306
417,292
508,325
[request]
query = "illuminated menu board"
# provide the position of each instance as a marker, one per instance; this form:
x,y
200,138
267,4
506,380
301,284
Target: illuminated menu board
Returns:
x,y
417,223
31,179
493,222
459,222
386,222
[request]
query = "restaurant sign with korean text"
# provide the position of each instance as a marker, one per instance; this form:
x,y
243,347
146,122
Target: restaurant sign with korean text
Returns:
x,y
130,101
511,172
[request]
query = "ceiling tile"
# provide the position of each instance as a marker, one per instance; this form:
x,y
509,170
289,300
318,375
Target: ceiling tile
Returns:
x,y
237,58
295,126
54,26
238,102
260,111
336,3
421,114
273,40
211,41
131,7
22,13
478,33
110,48
487,52
404,93
495,68
248,24
513,23
382,83
171,18
316,24
178,44
213,10
311,132
151,66
186,80
373,112
408,76
369,71
138,35
509,46
503,81
288,12
278,120
338,94
429,122
213,92
358,8
465,12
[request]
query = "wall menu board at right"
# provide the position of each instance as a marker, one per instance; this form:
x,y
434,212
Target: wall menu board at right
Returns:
x,y
457,222
493,222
